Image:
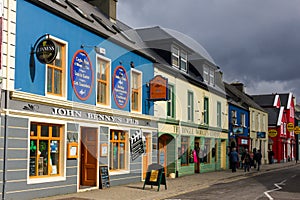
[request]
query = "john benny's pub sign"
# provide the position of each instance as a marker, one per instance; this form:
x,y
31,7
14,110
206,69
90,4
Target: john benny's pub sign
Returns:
x,y
93,116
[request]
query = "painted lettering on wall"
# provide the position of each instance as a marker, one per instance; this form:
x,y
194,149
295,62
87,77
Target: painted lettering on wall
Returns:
x,y
82,75
93,116
120,87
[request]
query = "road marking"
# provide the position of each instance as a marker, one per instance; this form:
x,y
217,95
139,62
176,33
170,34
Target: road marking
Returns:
x,y
278,188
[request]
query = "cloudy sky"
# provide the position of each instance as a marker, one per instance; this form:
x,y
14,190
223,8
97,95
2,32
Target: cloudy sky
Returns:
x,y
256,42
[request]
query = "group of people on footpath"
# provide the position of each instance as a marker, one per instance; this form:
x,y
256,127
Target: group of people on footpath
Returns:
x,y
248,159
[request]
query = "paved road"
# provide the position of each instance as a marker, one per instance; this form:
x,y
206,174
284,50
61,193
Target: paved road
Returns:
x,y
281,184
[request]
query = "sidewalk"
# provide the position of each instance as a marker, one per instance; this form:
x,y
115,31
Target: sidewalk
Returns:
x,y
175,186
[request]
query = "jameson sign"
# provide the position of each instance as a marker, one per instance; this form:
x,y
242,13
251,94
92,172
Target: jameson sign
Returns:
x,y
136,144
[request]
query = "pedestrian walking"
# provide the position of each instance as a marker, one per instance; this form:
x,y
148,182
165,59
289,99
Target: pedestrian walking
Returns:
x,y
247,161
258,157
270,156
234,159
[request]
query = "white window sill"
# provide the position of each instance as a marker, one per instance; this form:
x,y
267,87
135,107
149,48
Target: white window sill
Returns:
x,y
118,172
45,180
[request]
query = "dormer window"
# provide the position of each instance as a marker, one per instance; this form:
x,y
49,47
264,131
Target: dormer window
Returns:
x,y
179,58
183,60
209,75
175,57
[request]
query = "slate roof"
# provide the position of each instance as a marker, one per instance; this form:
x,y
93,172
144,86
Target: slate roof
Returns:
x,y
241,98
157,33
264,100
273,114
91,18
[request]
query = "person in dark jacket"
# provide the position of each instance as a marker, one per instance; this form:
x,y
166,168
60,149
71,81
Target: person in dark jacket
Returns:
x,y
234,159
258,157
247,161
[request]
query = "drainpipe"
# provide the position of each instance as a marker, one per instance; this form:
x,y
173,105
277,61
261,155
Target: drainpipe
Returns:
x,y
5,146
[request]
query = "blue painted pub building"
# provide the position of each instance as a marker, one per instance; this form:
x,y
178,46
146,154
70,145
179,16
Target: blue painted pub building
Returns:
x,y
79,102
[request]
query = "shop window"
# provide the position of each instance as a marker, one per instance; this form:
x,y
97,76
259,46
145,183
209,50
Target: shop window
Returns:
x,y
205,151
118,148
45,150
185,150
136,93
56,72
103,81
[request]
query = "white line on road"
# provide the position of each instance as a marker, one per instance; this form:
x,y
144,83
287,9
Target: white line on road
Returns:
x,y
278,188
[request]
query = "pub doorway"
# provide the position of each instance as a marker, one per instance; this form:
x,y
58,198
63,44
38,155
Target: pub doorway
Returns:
x,y
88,157
167,153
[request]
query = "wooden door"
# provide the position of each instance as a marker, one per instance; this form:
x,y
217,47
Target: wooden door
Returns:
x,y
88,150
162,153
146,155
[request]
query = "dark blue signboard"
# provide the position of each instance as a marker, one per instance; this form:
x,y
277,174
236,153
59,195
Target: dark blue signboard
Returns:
x,y
261,134
120,87
82,75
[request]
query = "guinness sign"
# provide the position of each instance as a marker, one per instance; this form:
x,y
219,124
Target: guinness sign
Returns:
x,y
46,51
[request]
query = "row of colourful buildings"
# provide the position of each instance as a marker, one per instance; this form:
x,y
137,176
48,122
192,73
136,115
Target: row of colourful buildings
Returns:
x,y
81,90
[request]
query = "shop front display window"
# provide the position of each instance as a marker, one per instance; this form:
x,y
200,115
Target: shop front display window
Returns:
x,y
45,147
118,148
185,150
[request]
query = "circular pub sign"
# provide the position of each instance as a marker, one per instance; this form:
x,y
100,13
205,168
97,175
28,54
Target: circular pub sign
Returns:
x,y
120,86
82,75
290,127
272,133
46,51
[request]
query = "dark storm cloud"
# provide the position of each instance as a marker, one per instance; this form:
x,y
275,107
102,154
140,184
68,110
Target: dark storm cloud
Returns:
x,y
253,41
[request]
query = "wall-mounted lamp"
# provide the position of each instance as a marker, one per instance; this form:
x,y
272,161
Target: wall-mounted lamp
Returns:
x,y
98,50
132,64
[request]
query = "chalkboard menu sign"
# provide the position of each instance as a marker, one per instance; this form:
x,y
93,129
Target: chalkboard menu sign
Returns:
x,y
155,176
104,177
32,166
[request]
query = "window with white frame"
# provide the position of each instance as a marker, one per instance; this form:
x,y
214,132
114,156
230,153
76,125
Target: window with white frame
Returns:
x,y
263,122
183,60
46,158
190,106
118,157
56,71
253,120
206,111
212,77
103,81
136,91
234,117
175,56
243,120
219,114
171,102
258,122
206,74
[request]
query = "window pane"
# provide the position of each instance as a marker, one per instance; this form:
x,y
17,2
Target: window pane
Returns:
x,y
55,131
57,81
58,61
43,158
33,130
49,80
45,131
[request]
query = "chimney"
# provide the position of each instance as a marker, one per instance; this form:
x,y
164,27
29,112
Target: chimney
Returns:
x,y
239,86
107,7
